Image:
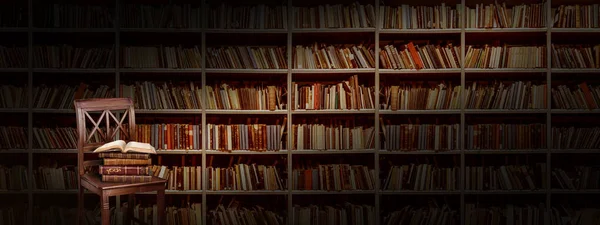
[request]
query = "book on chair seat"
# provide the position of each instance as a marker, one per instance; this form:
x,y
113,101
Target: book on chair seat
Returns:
x,y
121,146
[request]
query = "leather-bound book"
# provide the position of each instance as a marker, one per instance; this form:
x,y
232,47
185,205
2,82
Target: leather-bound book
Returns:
x,y
124,170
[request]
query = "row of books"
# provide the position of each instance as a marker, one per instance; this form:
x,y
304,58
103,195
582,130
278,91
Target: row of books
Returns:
x,y
13,137
14,177
353,15
409,137
163,95
252,177
247,57
161,57
411,56
246,96
262,137
327,56
227,16
160,16
253,137
506,177
509,214
576,137
417,96
67,56
13,14
420,17
500,16
582,177
245,177
341,214
73,16
421,177
63,96
431,214
332,137
182,178
55,178
13,57
505,57
316,56
501,95
345,95
576,16
584,96
236,213
319,136
12,96
581,56
334,177
506,136
171,136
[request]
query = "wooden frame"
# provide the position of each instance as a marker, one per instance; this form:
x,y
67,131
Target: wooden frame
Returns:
x,y
92,182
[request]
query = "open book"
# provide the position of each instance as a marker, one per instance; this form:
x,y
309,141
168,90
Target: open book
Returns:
x,y
121,146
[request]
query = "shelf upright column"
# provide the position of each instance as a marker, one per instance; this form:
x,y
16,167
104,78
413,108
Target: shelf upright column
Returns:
x,y
377,144
290,23
30,111
548,108
117,50
461,132
204,137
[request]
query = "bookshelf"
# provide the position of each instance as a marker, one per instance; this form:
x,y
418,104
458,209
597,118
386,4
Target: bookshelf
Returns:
x,y
199,37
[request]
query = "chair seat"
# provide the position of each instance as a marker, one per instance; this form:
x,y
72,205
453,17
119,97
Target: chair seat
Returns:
x,y
95,181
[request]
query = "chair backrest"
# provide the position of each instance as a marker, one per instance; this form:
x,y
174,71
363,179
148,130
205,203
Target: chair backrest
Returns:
x,y
97,124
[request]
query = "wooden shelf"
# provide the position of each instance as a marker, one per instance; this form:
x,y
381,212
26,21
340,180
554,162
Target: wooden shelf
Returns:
x,y
246,152
505,111
168,111
505,192
420,152
366,70
507,151
13,151
243,31
245,112
353,192
411,71
332,30
505,30
74,70
420,31
332,152
409,192
160,70
248,71
74,30
402,111
334,111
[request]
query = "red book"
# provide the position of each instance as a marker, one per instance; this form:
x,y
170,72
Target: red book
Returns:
x,y
124,170
126,178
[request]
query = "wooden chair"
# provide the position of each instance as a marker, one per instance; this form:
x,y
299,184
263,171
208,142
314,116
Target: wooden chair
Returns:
x,y
107,107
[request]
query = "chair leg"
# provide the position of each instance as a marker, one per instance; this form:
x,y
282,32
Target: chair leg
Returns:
x,y
160,205
130,205
80,212
105,211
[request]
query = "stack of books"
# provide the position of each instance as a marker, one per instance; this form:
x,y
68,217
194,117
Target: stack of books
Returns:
x,y
125,162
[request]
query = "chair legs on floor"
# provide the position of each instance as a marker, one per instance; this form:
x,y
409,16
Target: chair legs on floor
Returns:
x,y
80,212
130,205
160,205
105,211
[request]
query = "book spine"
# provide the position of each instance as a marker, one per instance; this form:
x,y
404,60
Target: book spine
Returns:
x,y
127,162
126,178
124,170
123,155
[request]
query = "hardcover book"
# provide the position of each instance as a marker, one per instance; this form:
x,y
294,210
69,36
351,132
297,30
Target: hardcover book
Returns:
x,y
121,146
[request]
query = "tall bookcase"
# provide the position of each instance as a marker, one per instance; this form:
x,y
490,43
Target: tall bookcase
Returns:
x,y
291,36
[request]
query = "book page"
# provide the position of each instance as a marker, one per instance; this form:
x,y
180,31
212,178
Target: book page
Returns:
x,y
114,146
134,146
